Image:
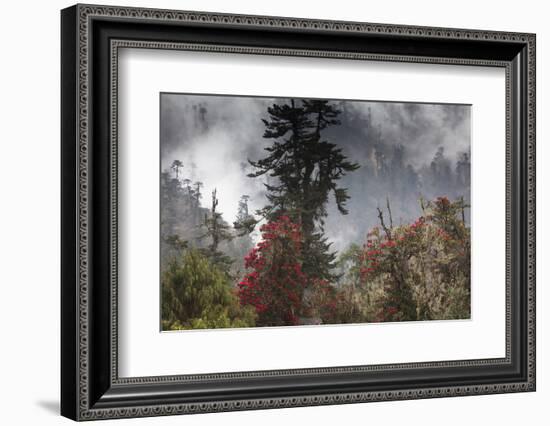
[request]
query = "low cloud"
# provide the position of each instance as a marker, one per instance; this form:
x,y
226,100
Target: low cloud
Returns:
x,y
214,136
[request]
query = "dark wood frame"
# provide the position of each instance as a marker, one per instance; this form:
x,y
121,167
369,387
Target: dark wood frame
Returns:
x,y
90,386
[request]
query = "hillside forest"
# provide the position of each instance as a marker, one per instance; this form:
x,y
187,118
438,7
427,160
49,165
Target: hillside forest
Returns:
x,y
333,219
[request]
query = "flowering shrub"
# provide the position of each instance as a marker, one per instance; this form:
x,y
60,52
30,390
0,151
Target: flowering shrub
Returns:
x,y
421,270
321,302
416,271
275,285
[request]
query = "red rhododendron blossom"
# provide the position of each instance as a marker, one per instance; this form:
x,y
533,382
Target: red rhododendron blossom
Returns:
x,y
276,282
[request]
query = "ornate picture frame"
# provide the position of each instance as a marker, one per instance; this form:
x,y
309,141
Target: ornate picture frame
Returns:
x,y
91,37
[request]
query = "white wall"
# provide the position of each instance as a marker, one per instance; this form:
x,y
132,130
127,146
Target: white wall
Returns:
x,y
29,211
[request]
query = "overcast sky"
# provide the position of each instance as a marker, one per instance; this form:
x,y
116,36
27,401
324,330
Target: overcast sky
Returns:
x,y
215,135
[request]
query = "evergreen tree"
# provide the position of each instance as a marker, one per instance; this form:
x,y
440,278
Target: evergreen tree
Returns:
x,y
243,207
180,215
440,169
304,170
197,192
217,231
412,179
398,159
463,170
176,166
187,185
245,222
170,190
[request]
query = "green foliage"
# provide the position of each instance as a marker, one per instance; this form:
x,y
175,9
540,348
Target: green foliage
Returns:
x,y
217,231
175,242
196,294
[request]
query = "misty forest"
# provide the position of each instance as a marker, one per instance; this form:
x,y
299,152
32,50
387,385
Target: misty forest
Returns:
x,y
279,212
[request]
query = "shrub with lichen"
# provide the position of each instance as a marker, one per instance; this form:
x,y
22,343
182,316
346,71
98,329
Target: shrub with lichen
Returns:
x,y
418,271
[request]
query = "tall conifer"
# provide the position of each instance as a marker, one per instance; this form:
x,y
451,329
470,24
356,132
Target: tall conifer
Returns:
x,y
303,170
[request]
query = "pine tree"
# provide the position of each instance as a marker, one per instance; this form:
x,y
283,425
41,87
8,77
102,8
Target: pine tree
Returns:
x,y
440,169
187,185
176,166
180,214
303,170
170,191
243,207
244,222
463,170
397,169
217,231
197,192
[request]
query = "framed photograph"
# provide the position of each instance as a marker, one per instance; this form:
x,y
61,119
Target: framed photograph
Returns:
x,y
264,212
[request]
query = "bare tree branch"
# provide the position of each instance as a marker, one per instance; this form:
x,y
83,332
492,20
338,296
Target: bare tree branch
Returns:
x,y
389,211
384,227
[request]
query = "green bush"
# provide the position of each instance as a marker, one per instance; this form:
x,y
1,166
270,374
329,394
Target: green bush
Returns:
x,y
196,294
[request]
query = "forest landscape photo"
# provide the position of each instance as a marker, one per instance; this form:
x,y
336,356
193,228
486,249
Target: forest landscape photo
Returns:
x,y
293,211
